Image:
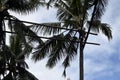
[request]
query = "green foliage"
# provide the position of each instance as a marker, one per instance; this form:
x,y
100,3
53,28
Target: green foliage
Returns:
x,y
73,14
12,58
47,28
12,62
97,26
21,7
63,45
24,6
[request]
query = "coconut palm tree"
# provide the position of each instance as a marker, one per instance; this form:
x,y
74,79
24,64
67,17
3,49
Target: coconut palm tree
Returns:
x,y
12,61
24,32
18,6
75,15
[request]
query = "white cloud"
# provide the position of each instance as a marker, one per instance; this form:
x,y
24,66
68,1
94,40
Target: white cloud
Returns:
x,y
92,67
43,73
97,58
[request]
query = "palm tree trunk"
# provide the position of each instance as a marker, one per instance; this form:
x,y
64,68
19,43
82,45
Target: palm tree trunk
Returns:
x,y
81,58
1,31
3,13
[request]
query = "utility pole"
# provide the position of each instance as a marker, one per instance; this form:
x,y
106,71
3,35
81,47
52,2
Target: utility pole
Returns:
x,y
82,37
81,57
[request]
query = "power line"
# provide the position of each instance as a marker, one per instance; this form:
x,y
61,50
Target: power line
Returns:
x,y
77,41
44,24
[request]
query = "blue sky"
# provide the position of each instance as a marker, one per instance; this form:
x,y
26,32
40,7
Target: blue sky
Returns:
x,y
101,62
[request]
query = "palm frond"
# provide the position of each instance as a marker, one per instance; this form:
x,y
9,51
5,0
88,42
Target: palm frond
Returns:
x,y
97,26
51,2
47,28
56,49
100,8
72,48
25,75
72,24
41,52
19,48
24,6
66,63
57,52
72,10
8,77
23,30
15,45
106,30
45,49
64,13
22,63
5,53
71,52
12,61
64,73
